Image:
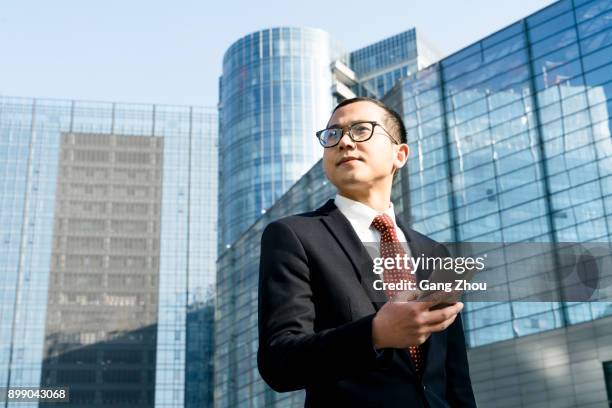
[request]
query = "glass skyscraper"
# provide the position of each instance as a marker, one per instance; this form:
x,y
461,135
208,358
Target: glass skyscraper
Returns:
x,y
274,93
107,257
510,142
378,66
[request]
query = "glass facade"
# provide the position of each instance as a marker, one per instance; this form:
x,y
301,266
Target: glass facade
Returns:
x,y
607,366
107,257
274,94
378,66
510,141
105,234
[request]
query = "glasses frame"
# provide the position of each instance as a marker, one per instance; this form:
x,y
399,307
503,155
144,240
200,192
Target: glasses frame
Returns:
x,y
349,128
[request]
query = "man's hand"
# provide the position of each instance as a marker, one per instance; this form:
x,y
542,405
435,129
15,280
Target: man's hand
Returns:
x,y
400,324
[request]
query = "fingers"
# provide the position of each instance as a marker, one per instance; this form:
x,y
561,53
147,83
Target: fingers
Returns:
x,y
442,326
406,296
416,299
433,296
437,317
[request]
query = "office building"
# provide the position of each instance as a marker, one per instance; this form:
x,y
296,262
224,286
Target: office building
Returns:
x,y
107,254
510,142
278,88
274,93
378,66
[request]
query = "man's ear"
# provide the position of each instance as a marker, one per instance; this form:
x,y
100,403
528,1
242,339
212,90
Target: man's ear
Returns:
x,y
401,156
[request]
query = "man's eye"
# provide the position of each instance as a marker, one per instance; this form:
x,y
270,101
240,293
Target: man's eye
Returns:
x,y
361,129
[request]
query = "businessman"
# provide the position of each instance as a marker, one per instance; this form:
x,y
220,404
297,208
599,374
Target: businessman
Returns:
x,y
323,326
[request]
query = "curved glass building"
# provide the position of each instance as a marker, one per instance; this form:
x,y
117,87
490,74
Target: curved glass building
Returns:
x,y
274,95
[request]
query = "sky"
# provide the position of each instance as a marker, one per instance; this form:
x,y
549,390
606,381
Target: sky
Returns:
x,y
170,52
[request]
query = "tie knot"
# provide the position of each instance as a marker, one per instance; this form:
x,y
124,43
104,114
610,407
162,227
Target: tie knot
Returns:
x,y
383,223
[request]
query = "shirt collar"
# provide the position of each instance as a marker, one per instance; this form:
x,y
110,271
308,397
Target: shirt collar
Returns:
x,y
359,213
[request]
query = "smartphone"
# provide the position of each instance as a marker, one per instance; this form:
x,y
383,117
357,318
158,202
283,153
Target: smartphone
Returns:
x,y
441,305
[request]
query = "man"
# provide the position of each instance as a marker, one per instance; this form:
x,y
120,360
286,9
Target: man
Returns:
x,y
322,325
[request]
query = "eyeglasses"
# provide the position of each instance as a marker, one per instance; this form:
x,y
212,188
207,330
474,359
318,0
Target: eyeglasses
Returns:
x,y
358,132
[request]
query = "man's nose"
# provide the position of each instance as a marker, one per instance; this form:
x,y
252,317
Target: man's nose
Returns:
x,y
346,141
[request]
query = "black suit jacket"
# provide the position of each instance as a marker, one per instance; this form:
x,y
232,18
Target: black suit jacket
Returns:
x,y
316,305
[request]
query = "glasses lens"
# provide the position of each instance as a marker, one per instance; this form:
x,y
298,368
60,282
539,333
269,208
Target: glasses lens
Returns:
x,y
361,131
330,137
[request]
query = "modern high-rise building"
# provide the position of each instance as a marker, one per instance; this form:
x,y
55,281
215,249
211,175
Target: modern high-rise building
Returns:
x,y
378,66
274,93
510,142
107,254
106,228
278,88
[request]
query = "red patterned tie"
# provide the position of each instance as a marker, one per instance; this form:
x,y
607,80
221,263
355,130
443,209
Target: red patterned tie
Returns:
x,y
390,246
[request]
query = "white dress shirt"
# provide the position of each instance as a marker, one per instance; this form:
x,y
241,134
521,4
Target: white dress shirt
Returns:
x,y
361,216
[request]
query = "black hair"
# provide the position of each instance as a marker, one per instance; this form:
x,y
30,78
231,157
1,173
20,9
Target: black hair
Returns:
x,y
394,123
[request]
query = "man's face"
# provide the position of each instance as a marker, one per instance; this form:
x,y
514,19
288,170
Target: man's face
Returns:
x,y
354,166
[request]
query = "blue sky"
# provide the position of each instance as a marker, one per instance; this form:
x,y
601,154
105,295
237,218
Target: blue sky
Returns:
x,y
170,52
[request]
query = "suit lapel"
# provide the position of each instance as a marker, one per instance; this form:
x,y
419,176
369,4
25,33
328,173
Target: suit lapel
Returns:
x,y
341,229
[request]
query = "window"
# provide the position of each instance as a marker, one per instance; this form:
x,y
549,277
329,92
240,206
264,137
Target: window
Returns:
x,y
551,26
607,366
